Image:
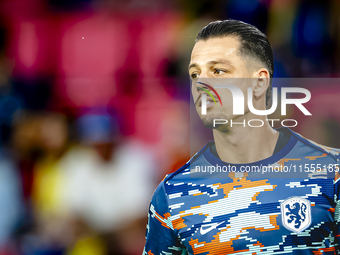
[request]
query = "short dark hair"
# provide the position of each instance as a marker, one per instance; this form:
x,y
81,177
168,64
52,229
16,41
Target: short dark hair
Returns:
x,y
254,43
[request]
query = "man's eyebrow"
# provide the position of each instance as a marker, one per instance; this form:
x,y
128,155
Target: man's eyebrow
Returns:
x,y
220,61
192,65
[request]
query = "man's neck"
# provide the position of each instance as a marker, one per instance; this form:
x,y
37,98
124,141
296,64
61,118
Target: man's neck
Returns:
x,y
245,144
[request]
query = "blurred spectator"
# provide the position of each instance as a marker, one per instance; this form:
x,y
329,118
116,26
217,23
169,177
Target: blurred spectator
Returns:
x,y
10,201
40,140
108,184
91,197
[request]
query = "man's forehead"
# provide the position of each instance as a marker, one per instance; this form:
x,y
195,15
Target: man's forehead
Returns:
x,y
218,43
215,47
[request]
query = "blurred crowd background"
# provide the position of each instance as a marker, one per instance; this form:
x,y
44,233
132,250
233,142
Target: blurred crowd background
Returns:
x,y
94,108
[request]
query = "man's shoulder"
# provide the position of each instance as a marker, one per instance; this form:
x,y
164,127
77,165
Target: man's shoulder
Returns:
x,y
308,143
184,170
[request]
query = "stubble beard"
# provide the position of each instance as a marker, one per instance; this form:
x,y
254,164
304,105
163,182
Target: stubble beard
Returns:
x,y
208,120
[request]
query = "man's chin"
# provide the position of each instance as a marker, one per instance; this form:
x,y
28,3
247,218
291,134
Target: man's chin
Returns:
x,y
208,121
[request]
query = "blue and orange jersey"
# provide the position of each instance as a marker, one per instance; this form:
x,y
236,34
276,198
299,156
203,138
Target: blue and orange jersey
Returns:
x,y
285,204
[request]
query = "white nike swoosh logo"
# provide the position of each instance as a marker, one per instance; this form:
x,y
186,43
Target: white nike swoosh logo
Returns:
x,y
212,226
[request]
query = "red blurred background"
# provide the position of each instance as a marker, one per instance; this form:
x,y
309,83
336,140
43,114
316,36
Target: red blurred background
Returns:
x,y
94,108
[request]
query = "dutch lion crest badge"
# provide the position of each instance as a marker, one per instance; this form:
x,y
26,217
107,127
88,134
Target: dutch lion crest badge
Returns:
x,y
296,214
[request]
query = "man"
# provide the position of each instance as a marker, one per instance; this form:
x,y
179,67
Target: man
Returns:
x,y
238,211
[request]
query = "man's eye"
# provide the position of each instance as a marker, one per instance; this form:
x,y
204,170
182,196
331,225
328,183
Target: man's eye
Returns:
x,y
219,71
194,75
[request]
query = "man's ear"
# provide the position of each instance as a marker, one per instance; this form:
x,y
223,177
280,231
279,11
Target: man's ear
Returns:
x,y
261,83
